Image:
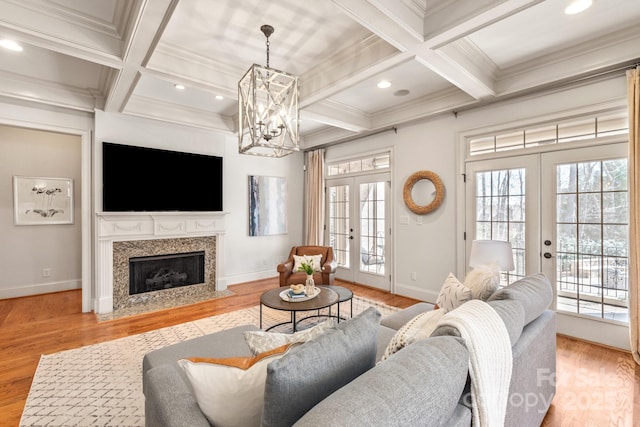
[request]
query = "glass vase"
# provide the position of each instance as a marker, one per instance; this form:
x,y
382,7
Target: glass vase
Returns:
x,y
310,286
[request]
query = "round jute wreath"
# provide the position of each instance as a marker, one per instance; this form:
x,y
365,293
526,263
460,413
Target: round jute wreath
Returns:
x,y
408,187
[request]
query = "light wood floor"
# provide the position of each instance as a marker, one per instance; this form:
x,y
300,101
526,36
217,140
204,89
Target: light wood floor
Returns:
x,y
597,386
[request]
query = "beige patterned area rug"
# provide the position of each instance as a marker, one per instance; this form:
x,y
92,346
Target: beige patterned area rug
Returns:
x,y
101,384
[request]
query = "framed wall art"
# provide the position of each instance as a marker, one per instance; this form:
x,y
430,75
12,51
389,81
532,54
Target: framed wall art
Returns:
x,y
267,205
42,201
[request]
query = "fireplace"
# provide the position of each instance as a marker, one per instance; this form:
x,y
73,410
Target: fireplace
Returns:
x,y
161,265
153,273
125,235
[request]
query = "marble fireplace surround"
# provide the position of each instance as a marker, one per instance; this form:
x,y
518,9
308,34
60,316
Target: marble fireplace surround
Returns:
x,y
133,234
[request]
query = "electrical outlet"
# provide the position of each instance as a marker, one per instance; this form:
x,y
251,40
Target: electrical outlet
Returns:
x,y
46,272
414,277
419,220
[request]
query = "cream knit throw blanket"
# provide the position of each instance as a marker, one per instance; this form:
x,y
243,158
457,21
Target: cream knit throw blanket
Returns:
x,y
490,359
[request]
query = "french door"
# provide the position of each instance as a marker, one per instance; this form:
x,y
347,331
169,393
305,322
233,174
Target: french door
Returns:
x,y
566,214
503,199
586,239
358,212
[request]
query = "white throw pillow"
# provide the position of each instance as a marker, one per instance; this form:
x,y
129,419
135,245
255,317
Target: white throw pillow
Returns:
x,y
261,341
230,391
419,328
314,259
452,294
483,281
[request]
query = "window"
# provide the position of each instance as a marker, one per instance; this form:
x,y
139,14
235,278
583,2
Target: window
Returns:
x,y
571,130
373,163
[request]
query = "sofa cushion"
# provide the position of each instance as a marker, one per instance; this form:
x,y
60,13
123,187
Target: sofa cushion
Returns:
x,y
169,400
261,341
400,317
230,391
227,343
512,314
452,294
417,386
534,292
311,371
416,329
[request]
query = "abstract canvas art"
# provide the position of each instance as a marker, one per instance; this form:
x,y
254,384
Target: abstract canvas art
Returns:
x,y
267,205
42,201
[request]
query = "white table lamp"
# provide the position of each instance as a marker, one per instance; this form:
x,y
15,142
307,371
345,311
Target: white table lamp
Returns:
x,y
488,252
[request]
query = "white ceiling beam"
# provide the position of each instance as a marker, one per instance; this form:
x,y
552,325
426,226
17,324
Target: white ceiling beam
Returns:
x,y
337,115
402,16
168,112
178,66
39,24
147,27
442,49
463,65
336,76
464,17
375,20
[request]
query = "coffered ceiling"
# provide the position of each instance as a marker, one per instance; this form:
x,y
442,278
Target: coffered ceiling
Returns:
x,y
439,55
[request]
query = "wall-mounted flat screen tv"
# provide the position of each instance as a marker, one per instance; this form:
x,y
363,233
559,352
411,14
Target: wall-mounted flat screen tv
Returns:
x,y
138,179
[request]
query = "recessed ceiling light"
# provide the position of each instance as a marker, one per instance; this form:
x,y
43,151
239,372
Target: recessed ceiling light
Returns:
x,y
179,87
384,84
11,45
219,97
578,6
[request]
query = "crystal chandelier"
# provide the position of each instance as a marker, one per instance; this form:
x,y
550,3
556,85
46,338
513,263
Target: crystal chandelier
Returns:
x,y
268,110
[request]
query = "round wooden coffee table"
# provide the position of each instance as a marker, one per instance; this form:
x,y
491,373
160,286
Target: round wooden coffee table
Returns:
x,y
271,298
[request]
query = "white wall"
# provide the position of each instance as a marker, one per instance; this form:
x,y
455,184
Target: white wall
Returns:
x,y
431,249
246,258
54,121
28,249
436,247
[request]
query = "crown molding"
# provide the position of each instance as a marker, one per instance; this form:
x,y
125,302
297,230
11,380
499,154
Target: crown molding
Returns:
x,y
37,23
572,62
149,108
43,92
422,108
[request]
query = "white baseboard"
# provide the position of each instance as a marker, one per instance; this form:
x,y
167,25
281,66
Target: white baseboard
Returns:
x,y
40,288
249,277
103,305
221,283
415,292
607,333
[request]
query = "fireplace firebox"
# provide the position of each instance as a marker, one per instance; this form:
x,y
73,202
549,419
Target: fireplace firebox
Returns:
x,y
158,272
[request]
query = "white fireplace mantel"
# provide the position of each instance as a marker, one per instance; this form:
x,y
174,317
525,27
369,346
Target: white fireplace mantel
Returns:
x,y
124,226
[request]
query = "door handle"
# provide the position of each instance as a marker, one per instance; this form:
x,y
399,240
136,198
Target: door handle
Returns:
x,y
547,255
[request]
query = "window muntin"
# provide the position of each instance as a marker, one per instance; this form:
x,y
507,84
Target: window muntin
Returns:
x,y
571,130
592,216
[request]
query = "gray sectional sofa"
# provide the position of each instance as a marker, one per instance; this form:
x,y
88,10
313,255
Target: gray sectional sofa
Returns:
x,y
334,380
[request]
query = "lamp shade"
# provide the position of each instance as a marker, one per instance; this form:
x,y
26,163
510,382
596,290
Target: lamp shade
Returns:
x,y
487,252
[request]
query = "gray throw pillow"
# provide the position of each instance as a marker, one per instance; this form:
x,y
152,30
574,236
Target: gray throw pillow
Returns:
x,y
418,386
312,371
534,292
